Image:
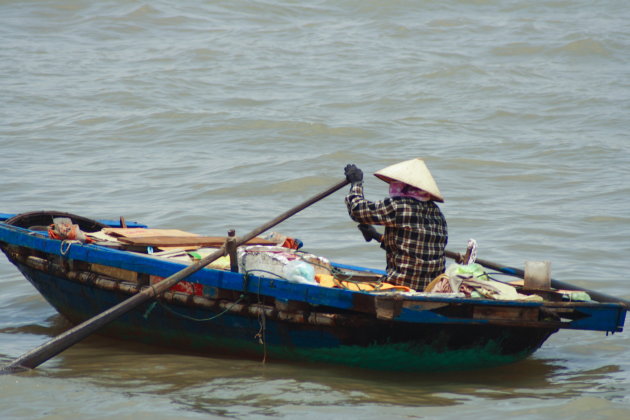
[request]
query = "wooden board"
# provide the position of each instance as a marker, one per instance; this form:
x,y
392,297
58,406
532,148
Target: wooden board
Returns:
x,y
141,232
177,241
505,313
117,273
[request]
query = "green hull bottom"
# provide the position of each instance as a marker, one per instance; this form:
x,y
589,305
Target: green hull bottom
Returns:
x,y
405,357
402,357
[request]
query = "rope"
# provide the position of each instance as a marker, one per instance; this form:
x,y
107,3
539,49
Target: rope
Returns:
x,y
149,310
65,245
263,271
174,312
262,321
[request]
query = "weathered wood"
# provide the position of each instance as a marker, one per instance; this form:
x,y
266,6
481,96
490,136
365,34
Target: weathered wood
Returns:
x,y
388,307
505,313
424,306
143,232
115,272
206,241
230,247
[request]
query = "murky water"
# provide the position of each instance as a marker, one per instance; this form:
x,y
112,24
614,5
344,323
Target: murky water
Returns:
x,y
206,116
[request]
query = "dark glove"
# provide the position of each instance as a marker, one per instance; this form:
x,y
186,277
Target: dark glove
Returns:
x,y
353,174
369,233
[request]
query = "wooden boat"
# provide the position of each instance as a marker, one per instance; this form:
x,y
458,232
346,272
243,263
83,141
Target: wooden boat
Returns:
x,y
220,311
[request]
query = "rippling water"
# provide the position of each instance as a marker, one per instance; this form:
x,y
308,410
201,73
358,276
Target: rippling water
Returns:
x,y
207,115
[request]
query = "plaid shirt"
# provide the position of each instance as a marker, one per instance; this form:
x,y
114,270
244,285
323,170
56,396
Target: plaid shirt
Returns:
x,y
414,239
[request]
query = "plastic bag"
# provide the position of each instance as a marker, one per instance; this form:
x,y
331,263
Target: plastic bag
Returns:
x,y
63,229
474,271
457,273
473,275
298,271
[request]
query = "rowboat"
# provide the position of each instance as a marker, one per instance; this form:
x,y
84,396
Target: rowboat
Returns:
x,y
250,306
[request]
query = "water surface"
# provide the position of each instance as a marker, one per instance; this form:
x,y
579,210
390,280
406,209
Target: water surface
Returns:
x,y
206,116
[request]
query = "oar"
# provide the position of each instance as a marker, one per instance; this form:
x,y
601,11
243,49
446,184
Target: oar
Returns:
x,y
556,284
39,355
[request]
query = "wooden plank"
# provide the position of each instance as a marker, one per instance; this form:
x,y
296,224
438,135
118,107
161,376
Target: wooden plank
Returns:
x,y
140,232
115,272
176,241
178,248
388,307
423,306
505,313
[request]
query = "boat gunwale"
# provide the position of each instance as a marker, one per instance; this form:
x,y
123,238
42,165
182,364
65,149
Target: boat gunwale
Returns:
x,y
160,267
281,289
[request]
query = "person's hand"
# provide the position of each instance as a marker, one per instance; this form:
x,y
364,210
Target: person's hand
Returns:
x,y
353,174
369,232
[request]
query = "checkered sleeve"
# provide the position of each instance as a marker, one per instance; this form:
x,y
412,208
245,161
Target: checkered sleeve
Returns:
x,y
369,212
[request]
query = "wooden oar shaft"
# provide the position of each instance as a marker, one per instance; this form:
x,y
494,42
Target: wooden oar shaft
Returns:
x,y
72,336
556,284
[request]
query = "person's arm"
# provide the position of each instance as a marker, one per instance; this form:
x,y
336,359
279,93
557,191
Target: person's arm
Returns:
x,y
369,233
365,211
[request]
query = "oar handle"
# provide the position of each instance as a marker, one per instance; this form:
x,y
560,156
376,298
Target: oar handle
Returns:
x,y
72,336
556,284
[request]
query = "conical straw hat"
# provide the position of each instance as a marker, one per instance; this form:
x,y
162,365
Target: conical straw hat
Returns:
x,y
413,172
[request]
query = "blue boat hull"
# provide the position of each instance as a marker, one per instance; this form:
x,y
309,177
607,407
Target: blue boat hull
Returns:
x,y
382,345
231,314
